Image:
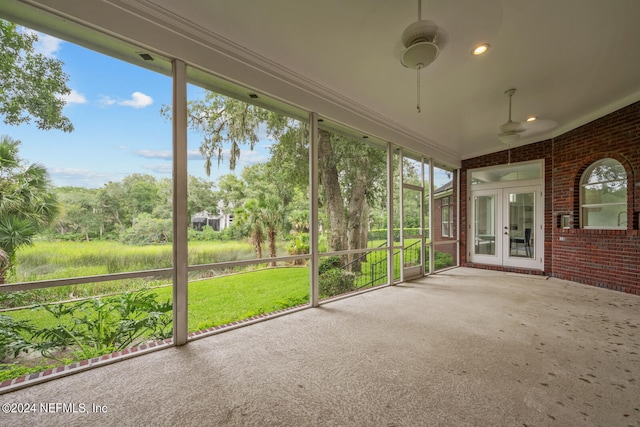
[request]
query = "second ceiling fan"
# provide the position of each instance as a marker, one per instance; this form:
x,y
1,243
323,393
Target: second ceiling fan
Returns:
x,y
511,131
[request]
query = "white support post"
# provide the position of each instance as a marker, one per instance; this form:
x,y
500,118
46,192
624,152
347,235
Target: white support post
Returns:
x,y
432,255
423,246
401,211
458,217
314,230
390,236
180,215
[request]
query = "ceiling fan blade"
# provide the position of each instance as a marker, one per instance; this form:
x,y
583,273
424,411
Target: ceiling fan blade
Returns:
x,y
537,126
511,127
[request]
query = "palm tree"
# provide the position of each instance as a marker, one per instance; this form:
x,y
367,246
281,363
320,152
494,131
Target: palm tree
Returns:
x,y
251,215
27,204
273,219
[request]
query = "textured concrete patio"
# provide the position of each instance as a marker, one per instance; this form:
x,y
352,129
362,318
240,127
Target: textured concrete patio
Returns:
x,y
463,347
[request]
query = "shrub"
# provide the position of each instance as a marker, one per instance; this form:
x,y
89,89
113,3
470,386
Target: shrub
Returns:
x,y
335,282
148,231
103,325
208,234
299,245
329,263
12,337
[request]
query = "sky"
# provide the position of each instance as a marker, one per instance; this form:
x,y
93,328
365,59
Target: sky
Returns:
x,y
114,107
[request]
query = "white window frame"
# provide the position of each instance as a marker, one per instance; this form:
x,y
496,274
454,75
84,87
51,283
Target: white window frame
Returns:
x,y
585,175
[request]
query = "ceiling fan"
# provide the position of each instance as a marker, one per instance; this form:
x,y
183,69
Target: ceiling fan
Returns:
x,y
422,41
511,131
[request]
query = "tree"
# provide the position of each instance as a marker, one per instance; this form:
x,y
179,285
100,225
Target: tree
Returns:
x,y
141,193
27,204
112,203
202,196
79,212
352,178
221,121
273,216
31,85
251,216
349,170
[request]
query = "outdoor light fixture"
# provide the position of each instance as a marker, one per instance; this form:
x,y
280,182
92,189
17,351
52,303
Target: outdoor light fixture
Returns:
x,y
481,49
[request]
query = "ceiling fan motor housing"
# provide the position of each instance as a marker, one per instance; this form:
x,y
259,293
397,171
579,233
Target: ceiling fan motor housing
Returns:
x,y
419,42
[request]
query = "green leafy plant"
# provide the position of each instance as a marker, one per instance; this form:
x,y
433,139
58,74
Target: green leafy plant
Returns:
x,y
103,325
329,263
335,282
14,336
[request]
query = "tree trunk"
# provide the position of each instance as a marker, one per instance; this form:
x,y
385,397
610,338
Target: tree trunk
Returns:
x,y
358,218
333,195
5,264
271,235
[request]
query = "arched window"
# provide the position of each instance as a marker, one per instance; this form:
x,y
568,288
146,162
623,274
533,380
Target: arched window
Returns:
x,y
603,195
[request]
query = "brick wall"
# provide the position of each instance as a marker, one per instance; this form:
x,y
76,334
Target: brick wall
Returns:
x,y
605,258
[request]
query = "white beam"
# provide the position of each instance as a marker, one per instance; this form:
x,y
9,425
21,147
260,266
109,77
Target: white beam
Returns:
x,y
180,213
314,230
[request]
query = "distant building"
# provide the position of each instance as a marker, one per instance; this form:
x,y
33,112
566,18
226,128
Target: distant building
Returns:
x,y
217,222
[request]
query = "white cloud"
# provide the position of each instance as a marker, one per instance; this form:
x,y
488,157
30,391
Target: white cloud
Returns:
x,y
138,100
46,44
155,154
74,98
194,155
78,177
105,101
163,168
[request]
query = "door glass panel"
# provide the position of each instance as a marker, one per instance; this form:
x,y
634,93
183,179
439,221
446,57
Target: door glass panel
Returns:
x,y
521,221
485,220
411,227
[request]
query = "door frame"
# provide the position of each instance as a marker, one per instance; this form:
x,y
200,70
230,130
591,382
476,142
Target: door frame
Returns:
x,y
500,191
413,271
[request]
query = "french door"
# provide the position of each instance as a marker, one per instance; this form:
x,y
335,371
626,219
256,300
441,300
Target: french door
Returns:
x,y
506,227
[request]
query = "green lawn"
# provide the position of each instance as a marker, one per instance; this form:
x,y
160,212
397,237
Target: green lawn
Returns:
x,y
212,302
225,299
235,297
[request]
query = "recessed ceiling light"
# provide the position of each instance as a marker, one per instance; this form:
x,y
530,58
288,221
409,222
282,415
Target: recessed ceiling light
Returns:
x,y
531,119
480,49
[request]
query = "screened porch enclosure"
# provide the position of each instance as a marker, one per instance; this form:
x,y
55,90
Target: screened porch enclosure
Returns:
x,y
324,212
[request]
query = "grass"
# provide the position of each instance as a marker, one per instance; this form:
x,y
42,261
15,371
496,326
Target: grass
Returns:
x,y
57,260
60,260
222,300
236,297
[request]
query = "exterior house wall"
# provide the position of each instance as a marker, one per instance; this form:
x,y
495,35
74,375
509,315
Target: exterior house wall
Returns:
x,y
604,258
446,244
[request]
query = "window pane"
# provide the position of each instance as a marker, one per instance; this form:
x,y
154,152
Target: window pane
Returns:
x,y
604,195
444,208
412,171
352,191
93,197
485,236
605,216
512,172
609,192
605,170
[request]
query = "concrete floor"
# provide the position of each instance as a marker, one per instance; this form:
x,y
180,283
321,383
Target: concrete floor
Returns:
x,y
463,347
